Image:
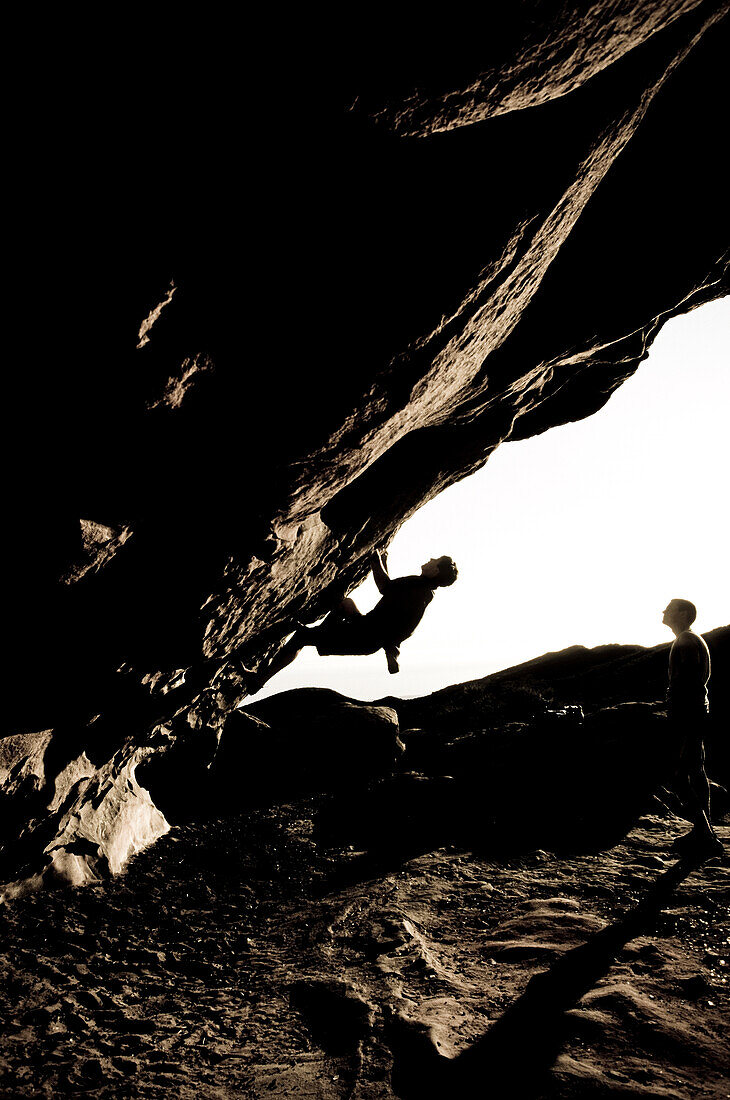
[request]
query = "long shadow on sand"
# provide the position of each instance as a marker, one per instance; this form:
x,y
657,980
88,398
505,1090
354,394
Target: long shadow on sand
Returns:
x,y
515,1056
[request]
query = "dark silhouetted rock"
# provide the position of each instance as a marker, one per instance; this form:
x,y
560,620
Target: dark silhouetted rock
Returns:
x,y
599,679
560,785
451,237
330,738
398,816
311,741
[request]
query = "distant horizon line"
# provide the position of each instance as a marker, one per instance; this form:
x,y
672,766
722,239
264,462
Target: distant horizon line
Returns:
x,y
573,645
374,696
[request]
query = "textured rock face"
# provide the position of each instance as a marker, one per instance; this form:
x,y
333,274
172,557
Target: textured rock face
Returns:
x,y
77,821
267,337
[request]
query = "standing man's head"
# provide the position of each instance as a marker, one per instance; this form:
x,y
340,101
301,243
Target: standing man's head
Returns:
x,y
441,572
679,615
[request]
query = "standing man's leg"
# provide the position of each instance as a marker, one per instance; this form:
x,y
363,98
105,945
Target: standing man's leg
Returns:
x,y
698,791
699,786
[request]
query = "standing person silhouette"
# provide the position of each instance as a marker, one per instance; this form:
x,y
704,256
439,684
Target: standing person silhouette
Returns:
x,y
689,674
347,631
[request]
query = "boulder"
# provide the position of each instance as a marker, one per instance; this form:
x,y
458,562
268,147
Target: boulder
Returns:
x,y
564,785
325,739
69,821
311,742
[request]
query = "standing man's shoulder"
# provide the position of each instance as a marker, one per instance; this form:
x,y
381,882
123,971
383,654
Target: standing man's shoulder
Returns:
x,y
688,640
689,650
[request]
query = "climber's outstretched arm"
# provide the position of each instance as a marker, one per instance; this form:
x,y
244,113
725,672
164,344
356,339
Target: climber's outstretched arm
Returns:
x,y
380,573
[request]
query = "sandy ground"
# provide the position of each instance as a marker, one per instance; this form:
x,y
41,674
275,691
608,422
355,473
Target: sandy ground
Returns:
x,y
234,959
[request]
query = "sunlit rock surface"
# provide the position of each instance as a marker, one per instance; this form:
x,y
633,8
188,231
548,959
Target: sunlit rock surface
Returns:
x,y
77,821
264,337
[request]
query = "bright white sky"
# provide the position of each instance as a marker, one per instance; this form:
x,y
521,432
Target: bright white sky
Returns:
x,y
578,536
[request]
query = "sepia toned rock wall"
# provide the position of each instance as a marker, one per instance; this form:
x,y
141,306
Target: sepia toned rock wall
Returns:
x,y
273,303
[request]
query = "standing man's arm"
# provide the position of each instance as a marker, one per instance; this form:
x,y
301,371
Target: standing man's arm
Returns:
x,y
685,667
380,573
688,669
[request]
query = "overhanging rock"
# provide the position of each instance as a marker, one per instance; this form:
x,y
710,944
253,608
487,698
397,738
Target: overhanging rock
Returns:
x,y
273,324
